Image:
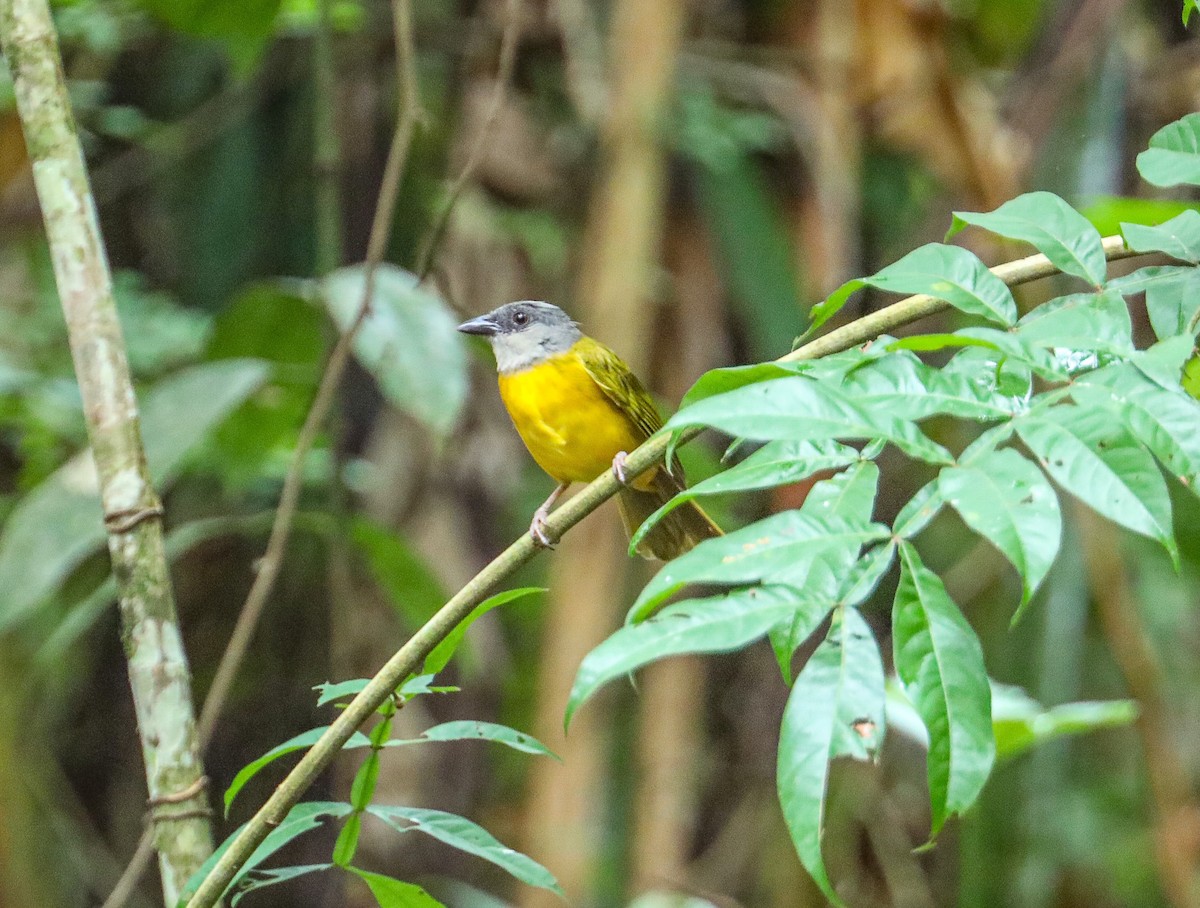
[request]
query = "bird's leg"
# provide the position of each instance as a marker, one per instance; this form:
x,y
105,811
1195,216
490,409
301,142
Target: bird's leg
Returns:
x,y
537,528
618,467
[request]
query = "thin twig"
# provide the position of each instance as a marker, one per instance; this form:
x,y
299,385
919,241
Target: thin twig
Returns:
x,y
381,230
272,560
409,657
508,57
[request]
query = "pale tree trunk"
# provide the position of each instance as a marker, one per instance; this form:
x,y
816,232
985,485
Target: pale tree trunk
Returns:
x,y
158,670
617,305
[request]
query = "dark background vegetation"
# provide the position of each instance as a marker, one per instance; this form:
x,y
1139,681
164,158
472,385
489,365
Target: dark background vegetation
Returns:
x,y
798,144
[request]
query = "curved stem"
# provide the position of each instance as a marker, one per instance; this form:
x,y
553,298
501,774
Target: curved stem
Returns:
x,y
409,657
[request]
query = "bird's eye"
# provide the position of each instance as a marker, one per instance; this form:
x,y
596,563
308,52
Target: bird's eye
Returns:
x,y
520,318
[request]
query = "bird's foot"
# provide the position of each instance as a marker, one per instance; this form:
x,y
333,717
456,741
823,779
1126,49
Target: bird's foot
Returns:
x,y
537,528
618,468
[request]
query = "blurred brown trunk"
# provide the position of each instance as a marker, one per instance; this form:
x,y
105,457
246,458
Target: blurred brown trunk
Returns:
x,y
829,239
1177,836
616,302
671,706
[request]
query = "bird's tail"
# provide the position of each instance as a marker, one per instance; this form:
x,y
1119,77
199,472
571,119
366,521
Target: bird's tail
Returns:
x,y
676,533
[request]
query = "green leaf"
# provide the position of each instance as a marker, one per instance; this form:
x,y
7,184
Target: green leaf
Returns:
x,y
902,385
940,662
1096,459
1178,237
746,220
302,741
439,657
719,381
59,523
261,879
1051,226
273,322
789,548
1096,322
1164,421
1007,500
919,511
408,341
849,495
1189,6
800,409
1172,304
390,893
774,464
717,624
1174,154
470,730
1144,278
1007,344
464,835
300,819
1164,363
1107,212
414,686
1021,723
835,709
242,26
948,273
864,577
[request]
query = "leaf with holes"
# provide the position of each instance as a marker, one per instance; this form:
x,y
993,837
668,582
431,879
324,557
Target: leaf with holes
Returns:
x,y
1096,459
835,709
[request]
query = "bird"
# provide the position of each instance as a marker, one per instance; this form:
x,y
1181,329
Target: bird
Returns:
x,y
580,410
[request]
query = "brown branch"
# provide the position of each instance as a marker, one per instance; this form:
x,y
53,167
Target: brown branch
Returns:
x,y
1177,838
408,658
508,57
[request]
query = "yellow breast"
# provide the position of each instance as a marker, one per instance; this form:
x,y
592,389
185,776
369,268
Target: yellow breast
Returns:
x,y
568,424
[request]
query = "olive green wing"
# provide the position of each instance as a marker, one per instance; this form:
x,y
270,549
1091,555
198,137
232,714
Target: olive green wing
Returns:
x,y
620,385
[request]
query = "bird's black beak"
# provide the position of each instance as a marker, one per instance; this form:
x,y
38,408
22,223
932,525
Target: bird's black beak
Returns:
x,y
484,326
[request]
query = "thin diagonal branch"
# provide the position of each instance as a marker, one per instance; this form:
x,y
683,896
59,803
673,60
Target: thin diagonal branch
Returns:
x,y
508,57
409,657
381,231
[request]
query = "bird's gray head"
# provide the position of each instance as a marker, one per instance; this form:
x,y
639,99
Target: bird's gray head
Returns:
x,y
524,333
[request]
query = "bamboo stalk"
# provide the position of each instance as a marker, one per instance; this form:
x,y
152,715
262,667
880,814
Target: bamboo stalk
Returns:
x,y
158,669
